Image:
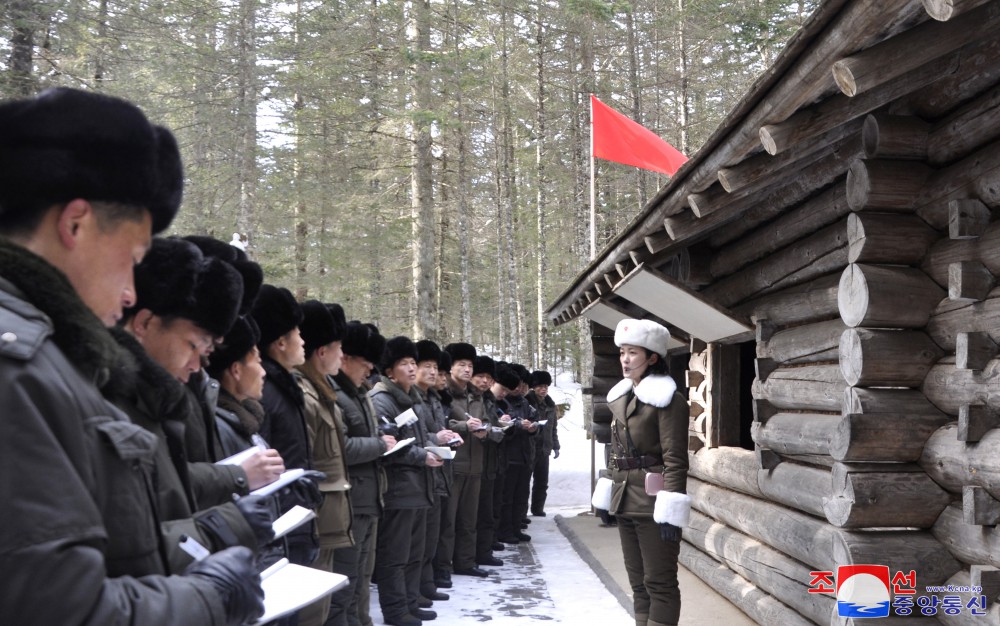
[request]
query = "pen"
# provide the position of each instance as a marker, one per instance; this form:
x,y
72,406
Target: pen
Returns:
x,y
194,549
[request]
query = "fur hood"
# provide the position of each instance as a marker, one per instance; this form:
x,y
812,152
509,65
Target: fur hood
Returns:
x,y
80,335
653,390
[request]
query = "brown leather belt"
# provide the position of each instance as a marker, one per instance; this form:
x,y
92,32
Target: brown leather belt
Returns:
x,y
634,462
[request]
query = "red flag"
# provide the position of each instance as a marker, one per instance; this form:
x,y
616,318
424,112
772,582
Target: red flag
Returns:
x,y
617,138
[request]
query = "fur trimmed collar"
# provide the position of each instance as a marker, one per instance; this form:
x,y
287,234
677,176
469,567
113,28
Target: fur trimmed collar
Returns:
x,y
161,394
80,335
249,412
655,391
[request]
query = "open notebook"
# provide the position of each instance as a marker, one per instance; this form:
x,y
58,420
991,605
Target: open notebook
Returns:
x,y
289,587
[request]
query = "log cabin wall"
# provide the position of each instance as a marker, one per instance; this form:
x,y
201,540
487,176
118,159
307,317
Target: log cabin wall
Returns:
x,y
861,238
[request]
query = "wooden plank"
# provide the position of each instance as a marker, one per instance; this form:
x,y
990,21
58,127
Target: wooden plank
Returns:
x,y
886,296
883,437
605,313
886,358
884,498
681,307
804,387
800,434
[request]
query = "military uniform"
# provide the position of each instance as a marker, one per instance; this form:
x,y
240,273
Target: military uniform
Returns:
x,y
649,434
457,548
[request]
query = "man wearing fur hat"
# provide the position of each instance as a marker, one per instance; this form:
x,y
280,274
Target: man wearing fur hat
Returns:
x,y
168,330
648,470
364,445
548,441
402,533
457,547
436,420
520,448
282,349
322,330
483,378
85,180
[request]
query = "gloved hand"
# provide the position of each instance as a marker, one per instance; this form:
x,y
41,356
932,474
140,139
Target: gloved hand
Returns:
x,y
233,573
260,517
303,491
669,532
555,454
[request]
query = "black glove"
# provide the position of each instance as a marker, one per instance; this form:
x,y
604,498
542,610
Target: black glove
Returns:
x,y
260,517
233,573
303,491
669,532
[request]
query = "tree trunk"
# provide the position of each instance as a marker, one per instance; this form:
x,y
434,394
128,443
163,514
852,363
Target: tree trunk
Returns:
x,y
541,268
246,106
24,19
421,177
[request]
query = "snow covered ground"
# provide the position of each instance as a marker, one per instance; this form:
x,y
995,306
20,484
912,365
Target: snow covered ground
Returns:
x,y
545,579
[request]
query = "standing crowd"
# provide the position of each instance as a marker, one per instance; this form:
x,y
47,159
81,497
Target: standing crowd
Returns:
x,y
154,386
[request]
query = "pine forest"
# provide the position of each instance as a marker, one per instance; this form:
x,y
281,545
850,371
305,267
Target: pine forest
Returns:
x,y
425,163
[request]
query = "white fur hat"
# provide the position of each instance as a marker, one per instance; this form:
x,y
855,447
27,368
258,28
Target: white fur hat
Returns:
x,y
645,333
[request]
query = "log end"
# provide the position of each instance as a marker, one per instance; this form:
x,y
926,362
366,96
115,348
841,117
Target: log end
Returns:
x,y
940,10
858,186
725,179
852,296
851,356
767,140
844,78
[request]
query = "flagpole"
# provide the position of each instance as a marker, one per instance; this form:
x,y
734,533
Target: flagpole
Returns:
x,y
593,204
593,255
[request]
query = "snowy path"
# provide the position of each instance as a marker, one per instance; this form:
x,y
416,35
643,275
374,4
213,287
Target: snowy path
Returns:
x,y
545,579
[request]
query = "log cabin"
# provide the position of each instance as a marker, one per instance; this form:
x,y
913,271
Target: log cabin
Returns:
x,y
827,263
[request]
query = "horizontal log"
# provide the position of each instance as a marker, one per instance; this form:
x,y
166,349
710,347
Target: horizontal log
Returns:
x,y
944,10
804,387
886,358
732,468
707,201
911,49
901,550
883,437
949,387
959,181
761,607
888,238
831,112
807,258
972,125
801,434
888,401
967,543
952,318
889,498
812,301
885,185
798,223
800,536
953,464
879,296
771,571
801,487
807,343
895,137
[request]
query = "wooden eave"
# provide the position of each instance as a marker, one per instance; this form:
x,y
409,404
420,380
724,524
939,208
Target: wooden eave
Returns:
x,y
800,81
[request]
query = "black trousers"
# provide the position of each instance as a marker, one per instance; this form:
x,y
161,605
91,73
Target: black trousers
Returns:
x,y
399,554
351,562
433,534
651,565
539,482
485,524
516,489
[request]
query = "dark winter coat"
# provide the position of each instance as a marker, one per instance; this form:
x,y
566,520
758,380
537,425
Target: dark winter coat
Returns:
x,y
435,419
156,401
284,425
78,526
519,443
464,402
655,417
363,447
494,452
548,435
326,440
411,484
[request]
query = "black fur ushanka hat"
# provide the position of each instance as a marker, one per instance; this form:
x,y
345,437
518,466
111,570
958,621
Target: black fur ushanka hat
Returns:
x,y
427,350
236,345
397,349
461,351
253,275
540,377
66,143
483,364
318,327
174,279
276,313
506,376
522,372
